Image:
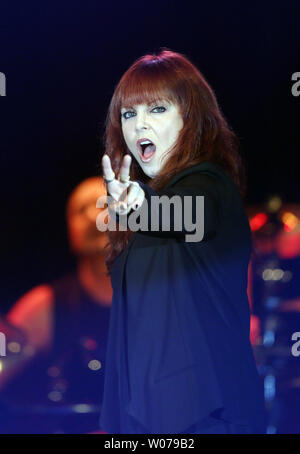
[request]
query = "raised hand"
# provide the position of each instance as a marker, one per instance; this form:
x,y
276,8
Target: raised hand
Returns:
x,y
126,194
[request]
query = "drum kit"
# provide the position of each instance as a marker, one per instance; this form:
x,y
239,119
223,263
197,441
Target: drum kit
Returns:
x,y
274,291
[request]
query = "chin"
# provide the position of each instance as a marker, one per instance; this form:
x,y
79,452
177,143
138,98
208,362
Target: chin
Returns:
x,y
95,246
150,173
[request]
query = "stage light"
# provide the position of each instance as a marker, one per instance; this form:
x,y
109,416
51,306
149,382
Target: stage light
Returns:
x,y
55,396
267,274
287,276
94,364
258,221
269,338
277,274
82,408
14,347
289,221
88,343
273,274
274,203
269,387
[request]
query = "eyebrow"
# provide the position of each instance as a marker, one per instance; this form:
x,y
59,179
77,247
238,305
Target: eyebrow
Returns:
x,y
148,104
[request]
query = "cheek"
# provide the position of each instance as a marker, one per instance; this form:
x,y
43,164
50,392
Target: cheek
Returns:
x,y
177,125
171,132
126,132
128,136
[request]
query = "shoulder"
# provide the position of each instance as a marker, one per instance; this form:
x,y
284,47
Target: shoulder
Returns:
x,y
204,172
210,179
33,301
33,314
207,178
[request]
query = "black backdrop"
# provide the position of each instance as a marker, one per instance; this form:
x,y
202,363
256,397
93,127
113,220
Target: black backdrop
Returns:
x,y
62,60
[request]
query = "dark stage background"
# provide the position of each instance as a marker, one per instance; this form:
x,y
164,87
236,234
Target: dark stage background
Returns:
x,y
62,60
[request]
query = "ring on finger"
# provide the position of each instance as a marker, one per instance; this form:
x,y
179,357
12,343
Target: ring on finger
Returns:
x,y
124,180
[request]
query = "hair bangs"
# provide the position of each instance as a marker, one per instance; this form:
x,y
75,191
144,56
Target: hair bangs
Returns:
x,y
145,87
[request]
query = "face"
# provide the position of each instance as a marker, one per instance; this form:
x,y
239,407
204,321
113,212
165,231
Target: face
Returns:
x,y
150,131
82,213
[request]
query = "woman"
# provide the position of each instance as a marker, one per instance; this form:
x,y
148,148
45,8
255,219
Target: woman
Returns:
x,y
179,358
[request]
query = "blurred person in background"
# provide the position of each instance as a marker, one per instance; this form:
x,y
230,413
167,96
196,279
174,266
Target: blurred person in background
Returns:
x,y
64,325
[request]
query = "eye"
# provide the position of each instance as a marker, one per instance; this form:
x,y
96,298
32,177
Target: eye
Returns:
x,y
128,114
158,109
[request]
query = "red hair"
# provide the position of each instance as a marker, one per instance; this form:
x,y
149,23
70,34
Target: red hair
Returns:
x,y
205,135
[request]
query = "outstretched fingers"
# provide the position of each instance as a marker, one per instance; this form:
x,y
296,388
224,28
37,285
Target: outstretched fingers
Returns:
x,y
126,194
108,172
125,168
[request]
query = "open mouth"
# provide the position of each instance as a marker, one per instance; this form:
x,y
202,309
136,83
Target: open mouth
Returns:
x,y
146,149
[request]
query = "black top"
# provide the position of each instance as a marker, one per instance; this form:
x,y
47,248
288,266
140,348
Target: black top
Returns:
x,y
178,346
80,340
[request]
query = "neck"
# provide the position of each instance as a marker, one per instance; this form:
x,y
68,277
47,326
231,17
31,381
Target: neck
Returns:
x,y
92,276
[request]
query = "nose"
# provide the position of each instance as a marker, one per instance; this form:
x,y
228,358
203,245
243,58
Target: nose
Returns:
x,y
141,121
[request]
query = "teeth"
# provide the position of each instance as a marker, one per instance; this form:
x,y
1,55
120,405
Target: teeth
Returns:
x,y
145,142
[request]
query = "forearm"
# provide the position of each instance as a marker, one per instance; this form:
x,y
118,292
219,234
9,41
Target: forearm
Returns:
x,y
183,210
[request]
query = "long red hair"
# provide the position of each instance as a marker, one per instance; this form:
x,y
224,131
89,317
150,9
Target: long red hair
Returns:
x,y
205,135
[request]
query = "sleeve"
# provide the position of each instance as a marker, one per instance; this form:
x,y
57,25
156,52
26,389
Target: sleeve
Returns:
x,y
197,204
